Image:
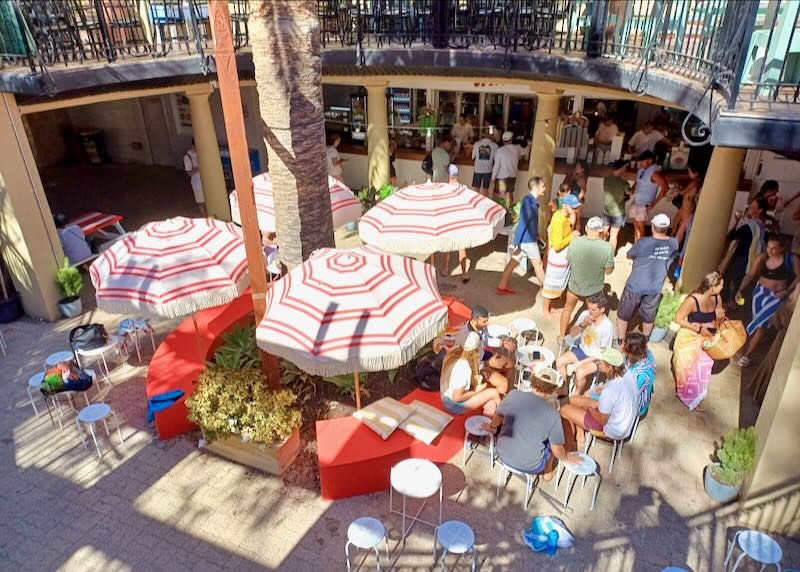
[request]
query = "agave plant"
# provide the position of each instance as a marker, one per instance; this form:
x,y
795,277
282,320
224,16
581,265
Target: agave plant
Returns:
x,y
239,350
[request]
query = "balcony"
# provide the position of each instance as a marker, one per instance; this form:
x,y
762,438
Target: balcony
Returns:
x,y
719,57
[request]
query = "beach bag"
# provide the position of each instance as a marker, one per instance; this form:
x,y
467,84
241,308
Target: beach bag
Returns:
x,y
728,340
87,337
547,534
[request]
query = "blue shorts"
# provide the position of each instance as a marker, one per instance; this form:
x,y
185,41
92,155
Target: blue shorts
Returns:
x,y
546,454
481,180
578,353
454,407
613,221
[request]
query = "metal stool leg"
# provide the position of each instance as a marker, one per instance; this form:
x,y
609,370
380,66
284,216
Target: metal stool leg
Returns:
x,y
731,549
596,487
464,452
105,424
119,432
739,561
86,397
30,396
570,481
80,432
136,344
347,554
474,558
377,557
94,438
435,544
105,368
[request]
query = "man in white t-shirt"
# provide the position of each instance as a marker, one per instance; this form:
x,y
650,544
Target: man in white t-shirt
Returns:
x,y
645,139
332,156
462,132
483,153
593,332
605,133
506,165
192,167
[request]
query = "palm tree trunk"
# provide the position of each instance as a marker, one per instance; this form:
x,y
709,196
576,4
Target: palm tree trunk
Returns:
x,y
284,35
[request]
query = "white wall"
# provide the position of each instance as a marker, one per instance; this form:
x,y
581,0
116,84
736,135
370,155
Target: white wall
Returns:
x,y
123,127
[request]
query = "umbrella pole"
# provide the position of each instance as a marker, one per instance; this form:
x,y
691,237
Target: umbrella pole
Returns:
x,y
197,339
358,389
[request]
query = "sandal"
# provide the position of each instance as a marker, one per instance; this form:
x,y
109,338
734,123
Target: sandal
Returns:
x,y
503,291
744,361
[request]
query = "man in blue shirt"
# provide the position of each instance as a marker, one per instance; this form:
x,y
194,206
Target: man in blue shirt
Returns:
x,y
526,236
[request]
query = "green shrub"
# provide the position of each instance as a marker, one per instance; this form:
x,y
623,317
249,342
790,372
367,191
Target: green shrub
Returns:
x,y
668,307
69,280
239,350
237,402
736,456
370,196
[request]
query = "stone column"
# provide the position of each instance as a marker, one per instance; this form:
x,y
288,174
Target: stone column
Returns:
x,y
706,244
31,248
543,150
205,142
377,135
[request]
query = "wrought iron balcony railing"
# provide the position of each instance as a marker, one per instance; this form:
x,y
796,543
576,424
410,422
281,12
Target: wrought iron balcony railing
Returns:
x,y
745,49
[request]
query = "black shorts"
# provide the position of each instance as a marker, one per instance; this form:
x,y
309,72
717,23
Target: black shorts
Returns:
x,y
647,304
481,180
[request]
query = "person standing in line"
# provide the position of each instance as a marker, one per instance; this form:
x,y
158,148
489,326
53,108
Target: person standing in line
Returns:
x,y
604,136
651,257
651,187
590,259
506,166
615,193
747,242
462,132
687,203
559,236
526,236
440,157
333,159
645,139
452,172
483,153
192,167
578,182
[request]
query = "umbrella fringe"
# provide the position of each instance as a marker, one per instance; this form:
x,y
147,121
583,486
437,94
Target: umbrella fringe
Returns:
x,y
410,246
385,362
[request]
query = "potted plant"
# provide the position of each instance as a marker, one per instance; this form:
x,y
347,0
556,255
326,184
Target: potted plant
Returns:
x,y
243,421
70,283
369,197
10,304
667,308
723,478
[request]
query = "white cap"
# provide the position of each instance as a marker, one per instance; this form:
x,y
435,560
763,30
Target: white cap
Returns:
x,y
595,223
472,342
452,170
507,136
660,220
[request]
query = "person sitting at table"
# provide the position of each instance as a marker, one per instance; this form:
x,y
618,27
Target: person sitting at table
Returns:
x,y
613,414
501,367
531,431
74,243
462,386
478,323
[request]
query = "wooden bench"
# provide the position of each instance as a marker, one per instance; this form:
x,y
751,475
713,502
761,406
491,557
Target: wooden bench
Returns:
x,y
178,362
354,460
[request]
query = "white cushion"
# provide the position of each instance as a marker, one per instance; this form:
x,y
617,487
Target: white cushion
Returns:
x,y
426,423
384,416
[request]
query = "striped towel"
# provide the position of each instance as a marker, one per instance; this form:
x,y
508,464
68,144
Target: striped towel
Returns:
x,y
765,304
426,422
556,275
384,416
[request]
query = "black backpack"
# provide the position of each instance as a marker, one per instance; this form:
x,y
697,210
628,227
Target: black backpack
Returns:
x,y
87,337
427,164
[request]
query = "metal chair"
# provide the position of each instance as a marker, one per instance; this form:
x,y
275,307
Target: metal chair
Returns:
x,y
531,481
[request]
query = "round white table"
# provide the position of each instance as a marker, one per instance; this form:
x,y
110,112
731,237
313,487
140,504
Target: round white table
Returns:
x,y
57,357
581,465
90,415
455,537
418,479
519,326
473,427
525,356
366,533
496,332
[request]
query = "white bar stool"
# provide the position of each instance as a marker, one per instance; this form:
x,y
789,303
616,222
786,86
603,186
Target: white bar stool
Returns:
x,y
115,344
531,481
366,533
418,479
455,537
92,414
472,427
521,326
34,383
57,357
757,546
133,328
587,467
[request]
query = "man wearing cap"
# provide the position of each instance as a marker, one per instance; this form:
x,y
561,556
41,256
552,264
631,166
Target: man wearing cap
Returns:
x,y
526,236
614,413
615,193
590,259
531,434
651,257
452,174
650,188
506,165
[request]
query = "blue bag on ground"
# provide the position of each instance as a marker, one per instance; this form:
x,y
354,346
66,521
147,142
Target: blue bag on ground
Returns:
x,y
548,534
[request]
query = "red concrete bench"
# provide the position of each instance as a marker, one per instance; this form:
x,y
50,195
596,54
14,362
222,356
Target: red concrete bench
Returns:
x,y
354,460
177,362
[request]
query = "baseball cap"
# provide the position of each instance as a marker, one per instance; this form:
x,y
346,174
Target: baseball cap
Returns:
x,y
452,170
472,342
618,164
507,136
571,201
595,223
549,375
660,220
610,355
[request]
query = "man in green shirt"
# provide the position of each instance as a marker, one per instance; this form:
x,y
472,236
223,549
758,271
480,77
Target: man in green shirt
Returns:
x,y
590,259
616,191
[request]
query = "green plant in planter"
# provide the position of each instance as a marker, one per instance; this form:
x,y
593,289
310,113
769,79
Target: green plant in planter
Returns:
x,y
239,350
668,307
69,281
237,402
370,196
736,456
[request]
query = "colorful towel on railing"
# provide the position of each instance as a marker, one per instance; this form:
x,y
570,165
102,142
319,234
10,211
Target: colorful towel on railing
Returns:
x,y
161,402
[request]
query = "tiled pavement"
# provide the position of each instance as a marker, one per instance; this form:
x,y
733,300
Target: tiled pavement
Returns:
x,y
154,505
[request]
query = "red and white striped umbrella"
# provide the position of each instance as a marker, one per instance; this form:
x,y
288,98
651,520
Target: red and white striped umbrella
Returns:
x,y
172,268
345,206
431,217
349,310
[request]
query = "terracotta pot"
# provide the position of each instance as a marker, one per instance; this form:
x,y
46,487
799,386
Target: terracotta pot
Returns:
x,y
273,459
